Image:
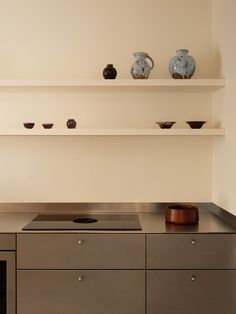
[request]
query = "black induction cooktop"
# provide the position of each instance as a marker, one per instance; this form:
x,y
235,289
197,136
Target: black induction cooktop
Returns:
x,y
84,222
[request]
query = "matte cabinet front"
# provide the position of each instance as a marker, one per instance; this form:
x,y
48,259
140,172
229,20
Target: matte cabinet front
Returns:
x,y
81,292
80,251
7,242
191,251
191,292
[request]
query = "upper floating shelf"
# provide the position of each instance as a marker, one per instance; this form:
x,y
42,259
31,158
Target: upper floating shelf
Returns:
x,y
112,132
168,84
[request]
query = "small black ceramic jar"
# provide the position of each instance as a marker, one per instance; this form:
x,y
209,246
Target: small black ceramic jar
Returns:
x,y
109,73
71,124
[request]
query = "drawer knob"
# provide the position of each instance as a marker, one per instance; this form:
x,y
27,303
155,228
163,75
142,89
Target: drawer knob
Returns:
x,y
193,241
193,278
80,278
80,242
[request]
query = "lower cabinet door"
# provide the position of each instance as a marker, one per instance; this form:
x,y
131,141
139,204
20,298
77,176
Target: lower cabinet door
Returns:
x,y
191,292
81,292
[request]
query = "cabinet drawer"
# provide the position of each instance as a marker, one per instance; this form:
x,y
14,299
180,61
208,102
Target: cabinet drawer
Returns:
x,y
80,251
86,291
195,292
191,251
7,242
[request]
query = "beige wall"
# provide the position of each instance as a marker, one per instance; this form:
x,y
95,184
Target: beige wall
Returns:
x,y
69,39
224,24
77,38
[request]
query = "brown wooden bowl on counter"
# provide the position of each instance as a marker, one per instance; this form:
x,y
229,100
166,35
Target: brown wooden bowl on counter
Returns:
x,y
182,214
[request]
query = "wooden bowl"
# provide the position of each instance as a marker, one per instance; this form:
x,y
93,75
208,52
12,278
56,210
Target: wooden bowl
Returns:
x,y
182,214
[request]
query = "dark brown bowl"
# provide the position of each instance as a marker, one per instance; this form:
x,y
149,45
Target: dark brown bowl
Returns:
x,y
47,125
166,124
196,124
182,214
29,125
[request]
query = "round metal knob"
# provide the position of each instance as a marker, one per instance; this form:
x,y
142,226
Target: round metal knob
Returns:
x,y
80,242
193,242
80,278
193,278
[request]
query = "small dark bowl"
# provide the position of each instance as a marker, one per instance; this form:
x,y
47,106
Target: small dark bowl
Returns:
x,y
182,214
29,125
166,124
196,124
47,125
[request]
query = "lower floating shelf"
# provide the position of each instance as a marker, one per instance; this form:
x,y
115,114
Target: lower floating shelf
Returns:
x,y
112,132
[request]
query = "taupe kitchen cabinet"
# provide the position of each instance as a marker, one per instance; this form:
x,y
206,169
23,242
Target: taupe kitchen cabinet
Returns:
x,y
81,251
191,273
81,273
82,292
191,291
7,273
191,251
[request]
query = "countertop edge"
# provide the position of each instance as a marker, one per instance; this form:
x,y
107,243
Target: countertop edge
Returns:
x,y
213,219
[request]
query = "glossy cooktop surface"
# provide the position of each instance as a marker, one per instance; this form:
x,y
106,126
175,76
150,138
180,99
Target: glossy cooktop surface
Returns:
x,y
84,222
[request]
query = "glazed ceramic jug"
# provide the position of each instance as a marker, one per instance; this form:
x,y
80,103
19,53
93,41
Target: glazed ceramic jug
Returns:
x,y
182,66
141,69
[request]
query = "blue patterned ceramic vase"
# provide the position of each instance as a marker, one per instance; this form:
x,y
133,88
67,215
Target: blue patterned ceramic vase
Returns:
x,y
182,66
140,69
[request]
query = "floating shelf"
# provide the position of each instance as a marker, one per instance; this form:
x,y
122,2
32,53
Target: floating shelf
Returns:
x,y
170,84
112,132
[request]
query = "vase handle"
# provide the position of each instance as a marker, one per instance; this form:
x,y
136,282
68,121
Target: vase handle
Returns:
x,y
152,66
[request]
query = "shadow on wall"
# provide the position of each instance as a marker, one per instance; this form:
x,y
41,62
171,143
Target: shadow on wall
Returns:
x,y
217,64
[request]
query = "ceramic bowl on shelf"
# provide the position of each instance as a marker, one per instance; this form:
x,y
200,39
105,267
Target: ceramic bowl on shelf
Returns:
x,y
165,124
47,125
196,124
29,125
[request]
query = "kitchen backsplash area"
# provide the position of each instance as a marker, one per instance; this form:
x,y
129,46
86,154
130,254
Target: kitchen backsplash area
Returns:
x,y
107,168
103,168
